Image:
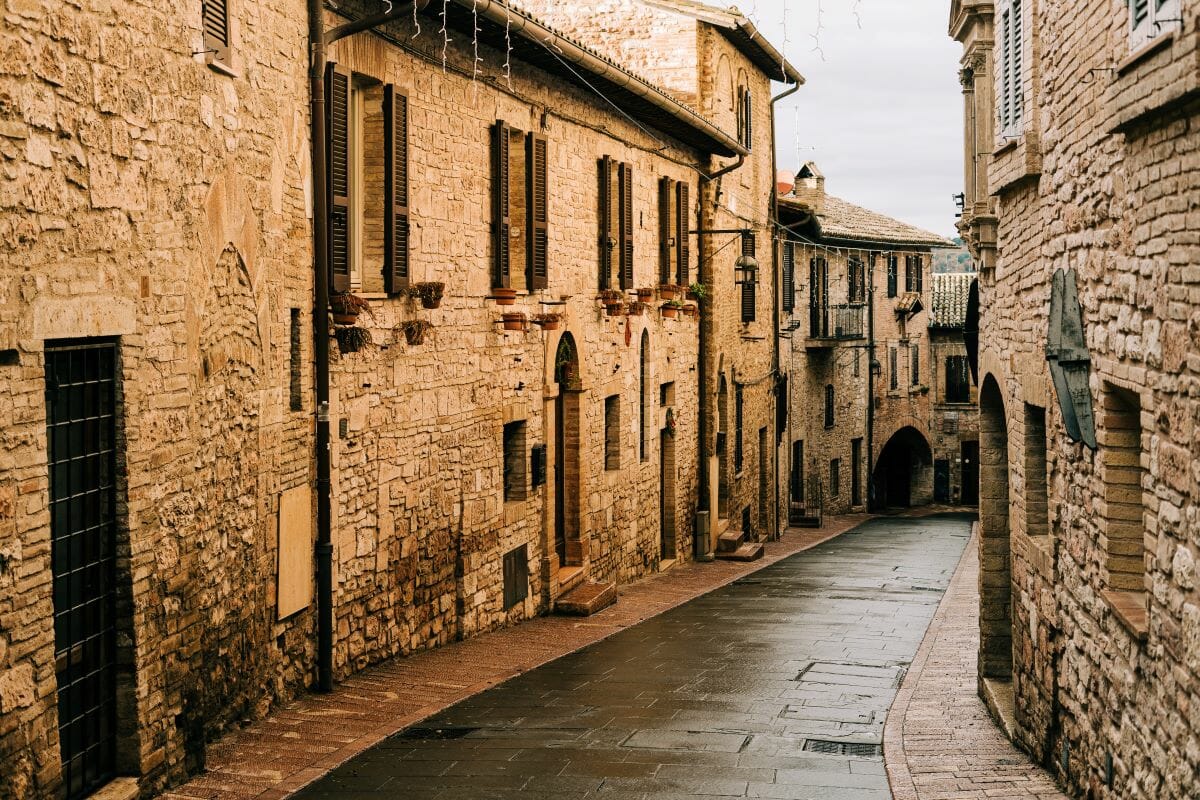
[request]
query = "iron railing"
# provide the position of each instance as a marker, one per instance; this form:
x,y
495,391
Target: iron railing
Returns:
x,y
845,321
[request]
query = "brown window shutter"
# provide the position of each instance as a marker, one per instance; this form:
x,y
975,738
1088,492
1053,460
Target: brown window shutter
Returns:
x,y
337,111
789,277
919,266
395,190
537,263
626,226
501,206
605,217
215,15
749,288
682,242
748,115
666,229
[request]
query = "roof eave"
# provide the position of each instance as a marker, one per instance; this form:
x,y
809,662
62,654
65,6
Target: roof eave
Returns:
x,y
747,38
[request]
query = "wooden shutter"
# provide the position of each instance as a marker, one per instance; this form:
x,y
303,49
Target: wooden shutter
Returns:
x,y
915,378
501,207
748,115
666,229
215,15
749,288
789,277
538,238
891,276
683,216
337,128
395,191
605,213
626,226
919,270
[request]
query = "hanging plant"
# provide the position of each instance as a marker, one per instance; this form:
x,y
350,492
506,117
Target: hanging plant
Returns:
x,y
614,301
645,295
548,322
504,296
667,291
671,424
415,330
514,321
429,293
345,307
670,309
697,291
352,339
637,308
691,310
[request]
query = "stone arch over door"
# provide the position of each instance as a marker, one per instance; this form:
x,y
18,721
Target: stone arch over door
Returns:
x,y
570,544
995,573
904,469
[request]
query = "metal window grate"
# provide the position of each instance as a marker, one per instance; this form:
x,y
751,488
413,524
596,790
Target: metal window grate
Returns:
x,y
860,749
81,434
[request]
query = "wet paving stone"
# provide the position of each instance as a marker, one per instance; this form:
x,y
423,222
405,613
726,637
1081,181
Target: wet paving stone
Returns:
x,y
726,696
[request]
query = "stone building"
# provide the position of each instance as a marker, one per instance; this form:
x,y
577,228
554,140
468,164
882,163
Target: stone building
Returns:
x,y
715,59
156,467
1082,182
865,342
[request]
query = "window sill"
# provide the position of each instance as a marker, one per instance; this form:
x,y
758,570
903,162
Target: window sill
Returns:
x,y
1130,105
222,68
1014,162
1145,51
1130,610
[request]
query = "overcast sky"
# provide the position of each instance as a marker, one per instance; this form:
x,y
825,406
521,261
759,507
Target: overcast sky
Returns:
x,y
881,115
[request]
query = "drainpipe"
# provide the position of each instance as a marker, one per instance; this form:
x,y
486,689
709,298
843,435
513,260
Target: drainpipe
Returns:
x,y
870,386
776,312
702,550
319,42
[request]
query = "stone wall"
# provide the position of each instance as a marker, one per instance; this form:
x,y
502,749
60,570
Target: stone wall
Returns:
x,y
1102,180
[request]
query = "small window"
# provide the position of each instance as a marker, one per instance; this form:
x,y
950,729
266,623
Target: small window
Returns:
x,y
666,394
915,377
958,387
520,238
537,464
516,576
745,118
829,405
612,432
857,290
1148,19
514,461
894,363
615,211
296,395
891,275
914,270
738,409
835,478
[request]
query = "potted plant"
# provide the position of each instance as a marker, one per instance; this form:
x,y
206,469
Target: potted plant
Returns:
x,y
614,301
637,308
415,330
504,296
645,295
697,291
691,310
345,307
429,293
352,339
667,291
670,309
548,322
514,321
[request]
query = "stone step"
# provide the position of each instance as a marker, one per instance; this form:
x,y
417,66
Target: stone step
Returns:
x,y
750,551
586,599
805,522
730,541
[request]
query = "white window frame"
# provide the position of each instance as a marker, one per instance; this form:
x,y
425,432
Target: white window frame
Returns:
x,y
1161,16
1010,67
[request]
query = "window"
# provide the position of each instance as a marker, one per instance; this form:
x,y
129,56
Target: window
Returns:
x,y
616,224
745,118
1149,18
856,472
894,363
797,476
835,479
915,351
913,274
643,395
215,18
789,277
666,395
674,214
958,386
1037,518
737,433
857,290
891,276
612,432
1010,96
296,396
1121,456
749,286
514,461
516,576
520,235
367,128
829,405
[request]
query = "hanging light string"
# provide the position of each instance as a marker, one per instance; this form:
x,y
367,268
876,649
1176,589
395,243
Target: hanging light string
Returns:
x,y
445,35
816,34
507,47
416,22
475,60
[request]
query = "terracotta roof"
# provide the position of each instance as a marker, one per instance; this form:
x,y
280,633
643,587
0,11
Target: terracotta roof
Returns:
x,y
910,303
948,298
840,219
740,30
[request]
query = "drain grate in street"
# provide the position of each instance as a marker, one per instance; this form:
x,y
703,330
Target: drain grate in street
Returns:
x,y
434,734
860,749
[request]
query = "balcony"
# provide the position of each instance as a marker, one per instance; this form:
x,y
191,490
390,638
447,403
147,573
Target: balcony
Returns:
x,y
831,324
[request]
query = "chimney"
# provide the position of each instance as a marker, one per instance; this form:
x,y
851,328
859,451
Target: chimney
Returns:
x,y
810,188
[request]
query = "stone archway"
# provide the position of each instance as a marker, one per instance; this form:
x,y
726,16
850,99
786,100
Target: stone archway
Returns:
x,y
995,575
903,474
568,530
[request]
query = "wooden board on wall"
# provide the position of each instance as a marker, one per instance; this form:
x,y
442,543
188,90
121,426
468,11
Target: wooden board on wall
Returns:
x,y
295,563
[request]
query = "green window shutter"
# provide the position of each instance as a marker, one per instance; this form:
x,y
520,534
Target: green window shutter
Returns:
x,y
337,118
501,207
537,151
396,268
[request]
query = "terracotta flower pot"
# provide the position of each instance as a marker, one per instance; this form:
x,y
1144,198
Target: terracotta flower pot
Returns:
x,y
431,303
615,309
645,295
342,318
514,322
666,291
670,312
504,297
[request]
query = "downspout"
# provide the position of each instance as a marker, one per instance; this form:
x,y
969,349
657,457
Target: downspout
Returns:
x,y
776,312
870,386
702,550
319,42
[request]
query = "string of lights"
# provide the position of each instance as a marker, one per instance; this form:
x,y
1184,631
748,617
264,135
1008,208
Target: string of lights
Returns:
x,y
445,35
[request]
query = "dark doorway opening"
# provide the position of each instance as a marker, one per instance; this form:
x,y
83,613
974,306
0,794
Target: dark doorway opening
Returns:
x,y
941,480
667,495
903,472
567,542
970,473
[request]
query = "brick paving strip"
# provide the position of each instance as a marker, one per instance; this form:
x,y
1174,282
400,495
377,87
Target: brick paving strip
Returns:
x,y
306,738
940,742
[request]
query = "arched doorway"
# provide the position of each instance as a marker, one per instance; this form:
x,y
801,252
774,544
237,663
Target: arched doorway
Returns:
x,y
995,578
904,470
565,455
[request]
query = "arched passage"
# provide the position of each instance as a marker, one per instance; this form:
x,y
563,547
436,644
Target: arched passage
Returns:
x,y
995,577
904,470
568,542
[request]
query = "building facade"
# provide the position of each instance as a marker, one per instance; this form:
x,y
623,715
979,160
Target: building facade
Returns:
x,y
866,337
1081,185
515,410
